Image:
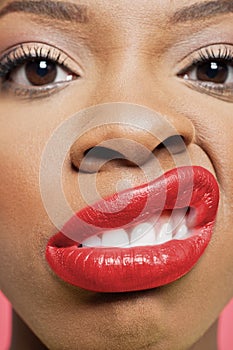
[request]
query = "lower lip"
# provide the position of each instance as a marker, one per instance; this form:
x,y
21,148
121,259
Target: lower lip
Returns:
x,y
115,269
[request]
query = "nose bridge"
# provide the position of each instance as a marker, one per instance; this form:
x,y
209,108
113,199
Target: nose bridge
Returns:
x,y
126,131
127,77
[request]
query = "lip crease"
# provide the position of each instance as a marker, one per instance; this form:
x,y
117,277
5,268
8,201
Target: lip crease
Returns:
x,y
117,269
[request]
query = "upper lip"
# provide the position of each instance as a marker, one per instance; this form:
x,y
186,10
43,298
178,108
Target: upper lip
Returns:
x,y
178,188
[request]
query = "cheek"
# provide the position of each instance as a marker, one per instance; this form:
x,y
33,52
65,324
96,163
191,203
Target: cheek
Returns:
x,y
22,218
18,186
23,137
22,213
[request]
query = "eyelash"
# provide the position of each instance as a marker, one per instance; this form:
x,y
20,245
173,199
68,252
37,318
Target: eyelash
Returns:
x,y
208,54
25,53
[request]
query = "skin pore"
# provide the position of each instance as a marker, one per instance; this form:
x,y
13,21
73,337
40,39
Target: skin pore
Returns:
x,y
140,52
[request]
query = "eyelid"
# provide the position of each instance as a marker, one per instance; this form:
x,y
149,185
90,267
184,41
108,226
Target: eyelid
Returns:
x,y
36,49
222,92
35,93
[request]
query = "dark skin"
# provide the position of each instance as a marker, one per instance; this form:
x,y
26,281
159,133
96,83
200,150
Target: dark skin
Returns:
x,y
142,53
24,338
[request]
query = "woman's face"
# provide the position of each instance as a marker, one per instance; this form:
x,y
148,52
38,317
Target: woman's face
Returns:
x,y
172,57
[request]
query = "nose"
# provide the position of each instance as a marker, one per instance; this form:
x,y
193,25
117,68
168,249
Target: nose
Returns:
x,y
129,133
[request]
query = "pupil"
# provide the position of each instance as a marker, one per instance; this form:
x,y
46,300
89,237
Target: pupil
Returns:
x,y
212,72
215,72
42,68
41,72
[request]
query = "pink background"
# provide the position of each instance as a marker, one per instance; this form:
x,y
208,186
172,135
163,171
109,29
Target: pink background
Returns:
x,y
225,336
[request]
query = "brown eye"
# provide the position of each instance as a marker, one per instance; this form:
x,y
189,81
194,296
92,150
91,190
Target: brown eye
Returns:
x,y
212,71
41,72
215,72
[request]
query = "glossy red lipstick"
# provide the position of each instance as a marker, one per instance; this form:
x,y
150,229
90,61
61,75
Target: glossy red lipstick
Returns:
x,y
117,269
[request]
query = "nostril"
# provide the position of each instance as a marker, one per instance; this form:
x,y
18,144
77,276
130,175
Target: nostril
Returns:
x,y
102,153
174,144
97,158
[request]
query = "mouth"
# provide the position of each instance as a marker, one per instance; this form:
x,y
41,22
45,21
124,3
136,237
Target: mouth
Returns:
x,y
140,238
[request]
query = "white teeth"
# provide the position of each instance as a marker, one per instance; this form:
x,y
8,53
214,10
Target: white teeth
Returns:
x,y
93,241
157,230
191,218
182,232
165,234
115,238
143,234
178,218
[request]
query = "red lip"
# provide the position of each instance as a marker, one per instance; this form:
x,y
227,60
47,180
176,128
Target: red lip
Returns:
x,y
115,269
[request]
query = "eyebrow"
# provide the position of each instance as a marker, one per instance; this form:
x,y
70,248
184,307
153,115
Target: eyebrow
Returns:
x,y
68,11
203,10
59,10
